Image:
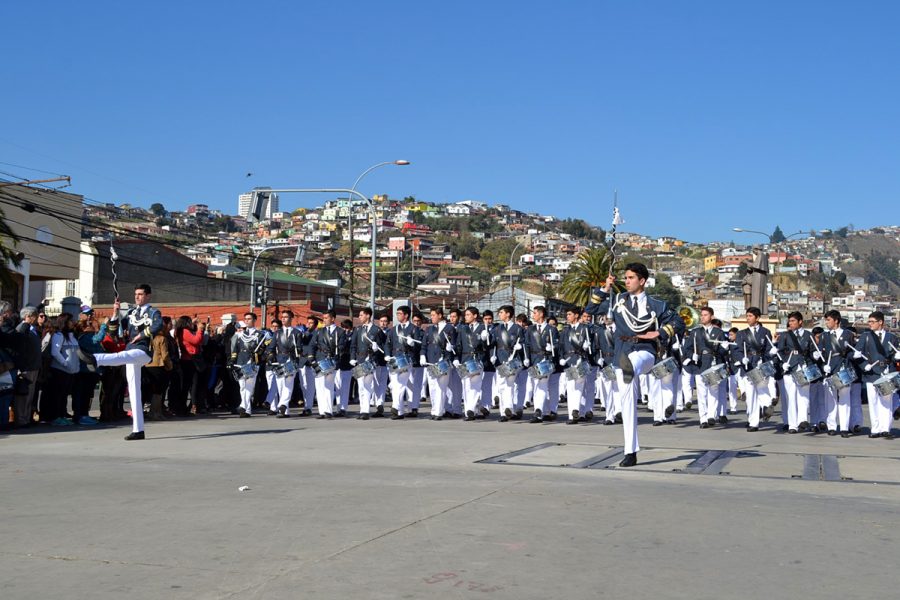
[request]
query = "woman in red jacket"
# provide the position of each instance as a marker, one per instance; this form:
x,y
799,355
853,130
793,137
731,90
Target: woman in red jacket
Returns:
x,y
190,338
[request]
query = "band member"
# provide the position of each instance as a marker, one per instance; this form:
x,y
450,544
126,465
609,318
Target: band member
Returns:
x,y
524,390
454,388
382,373
306,363
605,385
401,345
137,327
836,346
818,414
329,340
416,372
283,356
794,348
343,380
246,345
575,348
705,345
507,337
438,352
590,381
642,324
748,355
876,352
366,345
490,371
471,345
663,391
733,388
268,364
541,348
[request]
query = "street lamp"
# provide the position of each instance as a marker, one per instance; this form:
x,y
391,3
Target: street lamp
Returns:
x,y
512,287
399,163
298,259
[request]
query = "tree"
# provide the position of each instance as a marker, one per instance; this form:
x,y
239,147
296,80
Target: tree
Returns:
x,y
589,270
664,290
158,209
777,235
495,256
7,254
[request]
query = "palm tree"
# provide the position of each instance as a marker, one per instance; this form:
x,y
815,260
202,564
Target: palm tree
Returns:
x,y
589,270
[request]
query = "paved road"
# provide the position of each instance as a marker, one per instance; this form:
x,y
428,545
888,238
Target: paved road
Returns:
x,y
382,509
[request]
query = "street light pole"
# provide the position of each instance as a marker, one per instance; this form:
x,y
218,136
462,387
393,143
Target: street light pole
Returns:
x,y
253,269
512,286
350,224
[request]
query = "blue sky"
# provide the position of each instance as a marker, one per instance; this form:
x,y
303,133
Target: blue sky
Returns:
x,y
704,115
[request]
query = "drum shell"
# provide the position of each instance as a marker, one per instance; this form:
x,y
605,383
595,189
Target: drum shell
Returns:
x,y
326,366
761,373
577,371
541,370
439,369
509,368
887,385
363,369
400,364
664,368
287,370
714,375
248,372
843,378
470,368
806,375
608,373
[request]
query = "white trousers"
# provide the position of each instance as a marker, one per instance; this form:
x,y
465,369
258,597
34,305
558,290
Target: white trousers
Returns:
x,y
553,392
521,391
307,377
284,387
590,391
382,378
733,392
796,402
837,403
272,385
325,393
546,393
575,396
757,396
688,382
416,383
506,388
471,390
401,390
247,387
133,360
643,362
342,382
662,395
366,387
880,409
437,393
487,389
707,400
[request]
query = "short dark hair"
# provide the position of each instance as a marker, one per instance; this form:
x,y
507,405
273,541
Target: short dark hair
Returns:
x,y
366,310
144,287
438,310
708,309
541,309
639,269
508,309
403,309
488,313
817,330
754,311
313,318
249,314
522,317
716,322
347,324
796,315
288,312
330,312
733,330
456,312
574,310
276,323
472,310
833,314
877,315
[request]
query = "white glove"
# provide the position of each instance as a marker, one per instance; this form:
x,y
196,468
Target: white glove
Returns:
x,y
897,355
867,368
352,362
686,362
376,347
410,342
549,347
517,347
773,351
526,362
857,354
786,366
455,363
817,355
746,362
449,347
562,362
493,360
421,361
600,362
484,335
695,357
676,346
586,345
737,364
827,369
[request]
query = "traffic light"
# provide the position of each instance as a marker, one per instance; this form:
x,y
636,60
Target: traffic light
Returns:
x,y
259,294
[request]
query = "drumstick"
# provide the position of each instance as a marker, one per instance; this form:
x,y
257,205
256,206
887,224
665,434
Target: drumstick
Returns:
x,y
854,347
366,337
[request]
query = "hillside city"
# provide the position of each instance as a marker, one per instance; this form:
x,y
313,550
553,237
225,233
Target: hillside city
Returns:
x,y
470,252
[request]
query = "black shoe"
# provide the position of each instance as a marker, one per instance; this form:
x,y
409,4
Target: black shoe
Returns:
x,y
281,415
134,435
669,411
244,415
618,418
306,412
397,417
658,423
320,417
551,417
874,435
823,426
704,426
766,413
711,422
485,411
574,415
414,413
845,434
379,411
517,416
588,416
272,413
394,412
362,417
857,429
508,413
538,417
504,419
341,413
887,435
456,416
609,422
448,415
470,416
438,418
723,420
792,431
784,427
832,432
804,426
752,429
629,461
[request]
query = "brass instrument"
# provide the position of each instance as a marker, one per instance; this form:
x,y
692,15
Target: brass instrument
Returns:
x,y
689,315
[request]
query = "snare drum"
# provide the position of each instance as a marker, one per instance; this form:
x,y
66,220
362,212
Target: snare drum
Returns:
x,y
664,368
326,366
363,369
761,373
541,370
287,370
245,372
578,371
807,374
470,368
439,369
714,375
608,373
887,385
843,378
399,364
509,368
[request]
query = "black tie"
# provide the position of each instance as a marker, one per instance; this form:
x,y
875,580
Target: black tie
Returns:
x,y
634,306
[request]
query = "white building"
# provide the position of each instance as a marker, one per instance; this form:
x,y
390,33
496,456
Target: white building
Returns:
x,y
269,208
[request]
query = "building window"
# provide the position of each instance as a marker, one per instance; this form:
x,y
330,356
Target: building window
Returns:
x,y
70,288
49,289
